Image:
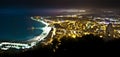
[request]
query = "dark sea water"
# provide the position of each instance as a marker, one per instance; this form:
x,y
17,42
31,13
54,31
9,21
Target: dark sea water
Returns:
x,y
18,27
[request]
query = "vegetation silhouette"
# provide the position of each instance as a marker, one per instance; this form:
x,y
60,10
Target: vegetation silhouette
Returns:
x,y
70,46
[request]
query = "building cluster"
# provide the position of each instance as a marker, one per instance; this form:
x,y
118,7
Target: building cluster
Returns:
x,y
73,26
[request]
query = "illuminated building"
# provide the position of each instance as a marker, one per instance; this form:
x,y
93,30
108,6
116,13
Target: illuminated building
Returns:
x,y
109,30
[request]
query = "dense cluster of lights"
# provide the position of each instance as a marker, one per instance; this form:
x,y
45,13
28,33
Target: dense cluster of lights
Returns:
x,y
67,28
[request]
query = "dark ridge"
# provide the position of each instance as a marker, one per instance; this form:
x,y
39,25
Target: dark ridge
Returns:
x,y
72,47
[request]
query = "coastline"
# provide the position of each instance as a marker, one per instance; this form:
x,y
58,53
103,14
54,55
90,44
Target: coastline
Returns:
x,y
32,42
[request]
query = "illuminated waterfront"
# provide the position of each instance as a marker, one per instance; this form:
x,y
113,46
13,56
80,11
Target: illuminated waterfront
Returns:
x,y
32,42
77,24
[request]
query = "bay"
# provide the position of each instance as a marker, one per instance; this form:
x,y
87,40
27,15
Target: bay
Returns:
x,y
18,28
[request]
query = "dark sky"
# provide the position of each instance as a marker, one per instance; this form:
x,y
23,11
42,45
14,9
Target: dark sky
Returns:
x,y
59,3
20,7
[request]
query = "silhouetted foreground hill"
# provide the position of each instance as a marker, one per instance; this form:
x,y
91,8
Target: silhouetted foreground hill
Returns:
x,y
71,47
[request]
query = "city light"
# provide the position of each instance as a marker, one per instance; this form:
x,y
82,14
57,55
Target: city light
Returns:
x,y
69,25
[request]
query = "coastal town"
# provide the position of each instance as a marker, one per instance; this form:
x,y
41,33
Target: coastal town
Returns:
x,y
77,24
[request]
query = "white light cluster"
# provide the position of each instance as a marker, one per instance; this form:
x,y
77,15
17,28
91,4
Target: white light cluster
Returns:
x,y
7,45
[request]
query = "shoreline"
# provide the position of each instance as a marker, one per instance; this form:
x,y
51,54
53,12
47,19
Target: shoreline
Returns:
x,y
32,42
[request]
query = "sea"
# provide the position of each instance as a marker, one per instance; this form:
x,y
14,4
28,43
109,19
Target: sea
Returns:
x,y
18,28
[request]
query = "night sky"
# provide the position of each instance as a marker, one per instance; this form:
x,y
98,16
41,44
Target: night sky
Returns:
x,y
33,6
59,3
40,6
